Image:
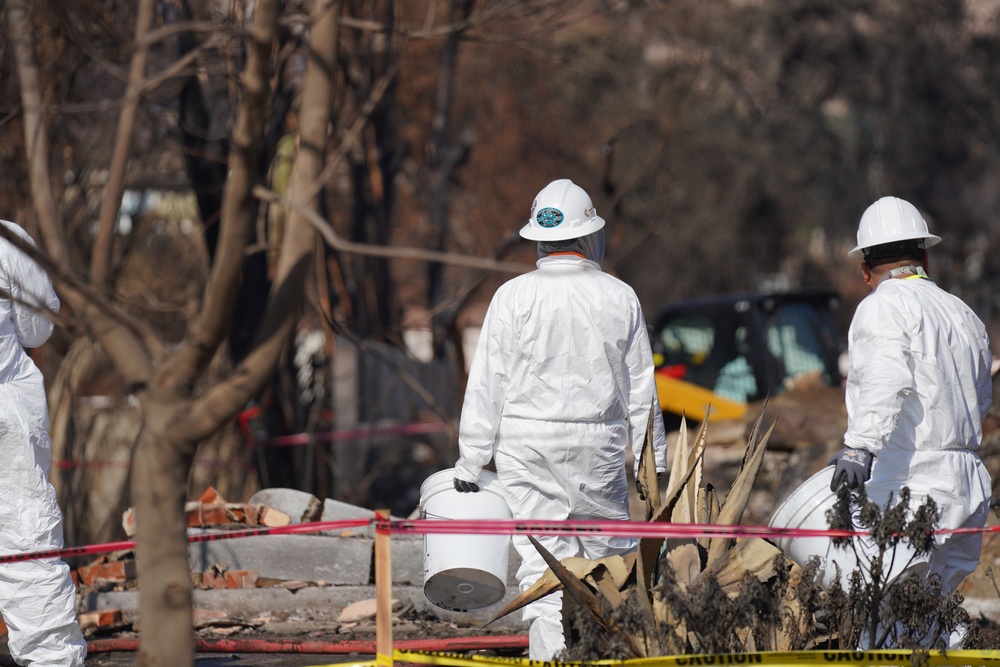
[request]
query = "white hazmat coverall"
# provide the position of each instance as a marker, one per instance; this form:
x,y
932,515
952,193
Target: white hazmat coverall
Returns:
x,y
918,388
37,597
560,384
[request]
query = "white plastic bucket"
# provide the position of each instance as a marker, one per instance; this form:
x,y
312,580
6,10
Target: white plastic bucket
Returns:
x,y
464,572
806,508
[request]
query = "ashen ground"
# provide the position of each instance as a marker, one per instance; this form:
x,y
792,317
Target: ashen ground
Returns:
x,y
408,624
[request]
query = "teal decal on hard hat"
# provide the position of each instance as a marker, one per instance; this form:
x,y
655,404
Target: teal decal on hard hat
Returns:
x,y
549,217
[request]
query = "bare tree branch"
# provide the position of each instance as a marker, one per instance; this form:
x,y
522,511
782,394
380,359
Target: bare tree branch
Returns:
x,y
237,216
299,244
397,252
180,27
121,344
178,67
487,13
350,140
100,261
66,281
35,139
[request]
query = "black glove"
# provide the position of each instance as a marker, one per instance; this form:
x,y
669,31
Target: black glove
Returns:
x,y
465,487
854,467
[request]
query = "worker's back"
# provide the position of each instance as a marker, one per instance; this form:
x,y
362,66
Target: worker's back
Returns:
x,y
948,370
568,329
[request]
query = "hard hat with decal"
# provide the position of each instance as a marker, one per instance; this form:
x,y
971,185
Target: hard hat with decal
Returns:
x,y
561,211
891,220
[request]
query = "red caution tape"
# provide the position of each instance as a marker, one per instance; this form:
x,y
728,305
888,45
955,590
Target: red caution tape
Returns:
x,y
419,428
615,528
491,527
108,547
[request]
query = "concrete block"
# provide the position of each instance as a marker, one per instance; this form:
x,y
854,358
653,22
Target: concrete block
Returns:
x,y
333,560
292,502
334,510
407,562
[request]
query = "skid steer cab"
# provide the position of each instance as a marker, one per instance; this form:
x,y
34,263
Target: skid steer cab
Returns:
x,y
729,350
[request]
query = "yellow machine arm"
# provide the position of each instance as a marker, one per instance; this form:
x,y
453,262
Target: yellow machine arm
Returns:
x,y
684,398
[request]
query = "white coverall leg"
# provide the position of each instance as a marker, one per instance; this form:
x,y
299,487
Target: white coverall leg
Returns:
x,y
958,482
37,597
962,496
544,480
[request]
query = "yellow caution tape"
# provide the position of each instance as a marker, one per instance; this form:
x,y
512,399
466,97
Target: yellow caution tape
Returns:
x,y
886,658
366,663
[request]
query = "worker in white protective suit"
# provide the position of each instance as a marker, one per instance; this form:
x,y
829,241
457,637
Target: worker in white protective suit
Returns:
x,y
560,385
37,597
918,388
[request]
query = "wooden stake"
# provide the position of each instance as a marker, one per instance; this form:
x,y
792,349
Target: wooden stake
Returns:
x,y
383,591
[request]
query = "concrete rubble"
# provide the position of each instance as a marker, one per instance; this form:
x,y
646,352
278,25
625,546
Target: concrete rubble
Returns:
x,y
325,580
321,579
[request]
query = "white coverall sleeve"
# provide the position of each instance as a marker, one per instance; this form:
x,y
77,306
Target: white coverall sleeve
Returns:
x,y
642,396
984,386
879,377
484,396
31,293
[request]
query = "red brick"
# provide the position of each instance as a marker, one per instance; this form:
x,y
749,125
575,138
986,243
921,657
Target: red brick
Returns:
x,y
100,618
128,522
213,579
230,579
222,515
272,518
211,497
120,571
241,579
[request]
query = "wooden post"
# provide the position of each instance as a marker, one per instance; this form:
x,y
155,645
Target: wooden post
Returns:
x,y
383,591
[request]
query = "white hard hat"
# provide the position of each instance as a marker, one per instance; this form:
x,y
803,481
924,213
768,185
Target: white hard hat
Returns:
x,y
561,211
889,220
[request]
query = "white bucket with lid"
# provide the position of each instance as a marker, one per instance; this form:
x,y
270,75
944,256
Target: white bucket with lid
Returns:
x,y
464,572
806,508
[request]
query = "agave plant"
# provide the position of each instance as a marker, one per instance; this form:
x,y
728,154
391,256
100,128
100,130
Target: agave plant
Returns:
x,y
647,603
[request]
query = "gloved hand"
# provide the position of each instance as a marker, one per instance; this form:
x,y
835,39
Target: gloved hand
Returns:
x,y
854,467
465,487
